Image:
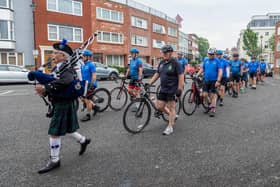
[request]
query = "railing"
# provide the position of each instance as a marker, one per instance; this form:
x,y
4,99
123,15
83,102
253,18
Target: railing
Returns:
x,y
147,9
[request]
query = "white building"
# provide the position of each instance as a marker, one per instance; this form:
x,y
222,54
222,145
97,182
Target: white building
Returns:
x,y
183,43
264,27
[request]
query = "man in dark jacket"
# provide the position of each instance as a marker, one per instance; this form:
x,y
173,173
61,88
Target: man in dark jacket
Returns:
x,y
64,119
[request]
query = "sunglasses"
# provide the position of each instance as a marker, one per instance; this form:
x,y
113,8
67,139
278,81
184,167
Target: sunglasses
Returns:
x,y
211,54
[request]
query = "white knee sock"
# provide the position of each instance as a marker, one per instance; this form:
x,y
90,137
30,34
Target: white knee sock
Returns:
x,y
78,137
55,144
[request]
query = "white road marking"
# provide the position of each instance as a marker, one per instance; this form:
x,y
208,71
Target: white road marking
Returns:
x,y
7,92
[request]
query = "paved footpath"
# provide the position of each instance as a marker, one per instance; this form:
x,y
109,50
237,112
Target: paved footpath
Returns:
x,y
240,147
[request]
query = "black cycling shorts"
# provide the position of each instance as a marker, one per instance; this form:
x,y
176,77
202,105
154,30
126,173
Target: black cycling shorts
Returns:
x,y
253,75
209,86
245,77
166,97
235,77
262,72
224,81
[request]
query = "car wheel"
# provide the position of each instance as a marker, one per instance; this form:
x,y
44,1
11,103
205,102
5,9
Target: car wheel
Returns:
x,y
113,76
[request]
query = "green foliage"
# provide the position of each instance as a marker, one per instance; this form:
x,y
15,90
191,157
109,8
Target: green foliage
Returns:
x,y
119,68
203,46
272,43
250,40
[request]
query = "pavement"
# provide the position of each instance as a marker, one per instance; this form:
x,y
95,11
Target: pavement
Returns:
x,y
239,147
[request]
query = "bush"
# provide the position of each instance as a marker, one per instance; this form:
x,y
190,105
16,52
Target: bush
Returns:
x,y
119,68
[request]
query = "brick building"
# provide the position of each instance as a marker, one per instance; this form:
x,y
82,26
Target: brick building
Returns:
x,y
277,49
121,24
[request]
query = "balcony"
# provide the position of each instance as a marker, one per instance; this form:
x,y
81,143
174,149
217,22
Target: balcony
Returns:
x,y
7,44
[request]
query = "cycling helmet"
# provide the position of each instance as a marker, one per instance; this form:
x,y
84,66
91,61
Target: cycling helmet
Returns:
x,y
225,56
180,53
87,52
134,50
166,48
219,52
211,51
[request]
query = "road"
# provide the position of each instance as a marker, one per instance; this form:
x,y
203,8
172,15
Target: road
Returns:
x,y
239,147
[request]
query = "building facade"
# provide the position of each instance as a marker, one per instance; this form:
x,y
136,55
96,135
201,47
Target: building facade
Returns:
x,y
264,27
193,53
16,32
277,50
183,43
120,24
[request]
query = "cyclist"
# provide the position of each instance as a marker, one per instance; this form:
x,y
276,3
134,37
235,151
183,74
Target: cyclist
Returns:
x,y
135,73
236,71
213,72
244,79
253,68
89,73
183,61
262,69
225,67
171,82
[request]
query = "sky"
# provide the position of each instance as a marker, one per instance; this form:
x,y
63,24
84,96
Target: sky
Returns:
x,y
220,21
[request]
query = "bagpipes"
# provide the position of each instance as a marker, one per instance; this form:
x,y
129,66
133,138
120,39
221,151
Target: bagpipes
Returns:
x,y
77,87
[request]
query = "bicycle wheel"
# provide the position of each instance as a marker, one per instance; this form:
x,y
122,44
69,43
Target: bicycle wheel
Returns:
x,y
165,116
119,98
189,102
137,116
205,105
101,97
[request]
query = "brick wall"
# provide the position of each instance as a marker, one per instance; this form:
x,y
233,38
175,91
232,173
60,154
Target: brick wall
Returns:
x,y
276,51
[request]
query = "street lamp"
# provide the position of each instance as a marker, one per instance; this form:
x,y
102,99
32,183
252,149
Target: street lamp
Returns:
x,y
261,37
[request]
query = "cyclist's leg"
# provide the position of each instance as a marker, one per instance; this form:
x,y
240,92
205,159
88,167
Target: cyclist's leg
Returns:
x,y
131,88
161,103
172,111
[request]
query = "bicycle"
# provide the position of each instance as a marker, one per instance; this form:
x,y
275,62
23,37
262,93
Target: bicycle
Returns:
x,y
99,96
140,108
119,96
193,97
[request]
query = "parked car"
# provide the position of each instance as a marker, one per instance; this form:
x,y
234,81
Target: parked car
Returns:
x,y
13,74
148,70
105,72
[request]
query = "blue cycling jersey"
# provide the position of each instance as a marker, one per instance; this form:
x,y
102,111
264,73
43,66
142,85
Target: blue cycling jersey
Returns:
x,y
225,65
263,66
235,66
210,68
87,70
134,66
253,67
183,61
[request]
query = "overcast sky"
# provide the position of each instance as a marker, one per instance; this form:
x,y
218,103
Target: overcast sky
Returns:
x,y
220,21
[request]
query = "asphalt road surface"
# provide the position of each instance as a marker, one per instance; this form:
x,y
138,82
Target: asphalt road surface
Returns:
x,y
239,147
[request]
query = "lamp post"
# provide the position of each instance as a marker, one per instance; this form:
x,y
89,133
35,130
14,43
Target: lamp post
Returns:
x,y
261,37
35,51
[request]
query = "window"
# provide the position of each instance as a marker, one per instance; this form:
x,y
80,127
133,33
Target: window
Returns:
x,y
278,46
173,45
6,4
12,58
115,60
110,15
172,32
58,32
278,62
158,28
7,30
65,6
139,40
267,33
138,22
158,44
110,37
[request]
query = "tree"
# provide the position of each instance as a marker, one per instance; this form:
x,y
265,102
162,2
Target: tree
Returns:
x,y
250,40
272,43
203,45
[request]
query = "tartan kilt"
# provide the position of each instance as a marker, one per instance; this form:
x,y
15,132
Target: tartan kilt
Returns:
x,y
64,119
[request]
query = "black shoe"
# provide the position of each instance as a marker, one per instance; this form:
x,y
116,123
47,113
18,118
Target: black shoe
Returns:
x,y
84,146
50,166
85,118
221,103
95,110
212,112
99,100
157,114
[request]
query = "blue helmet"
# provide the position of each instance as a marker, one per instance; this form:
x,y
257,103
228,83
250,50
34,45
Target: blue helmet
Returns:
x,y
225,56
87,52
219,52
134,50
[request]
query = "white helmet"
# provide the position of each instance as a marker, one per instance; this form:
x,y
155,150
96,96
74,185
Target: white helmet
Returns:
x,y
211,51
